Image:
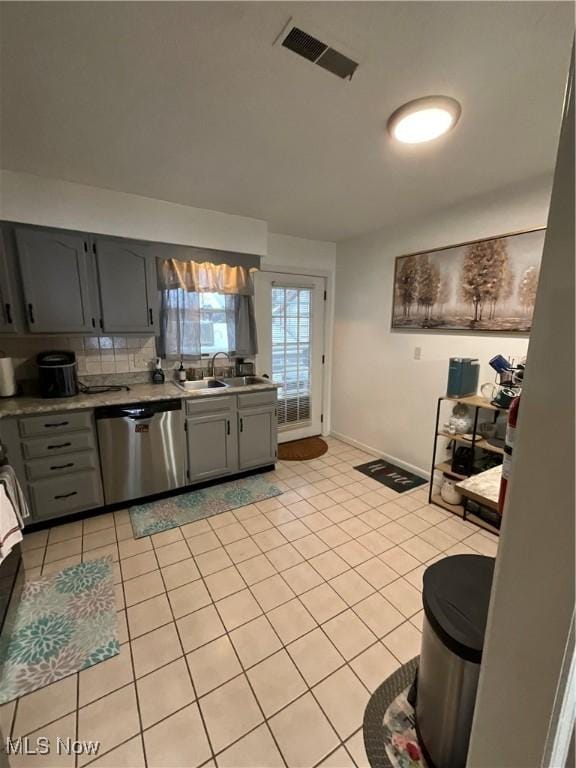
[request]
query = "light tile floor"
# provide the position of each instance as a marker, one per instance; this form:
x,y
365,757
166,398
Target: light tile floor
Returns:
x,y
252,638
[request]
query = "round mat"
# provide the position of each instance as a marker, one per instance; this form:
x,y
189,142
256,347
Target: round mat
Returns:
x,y
302,450
383,696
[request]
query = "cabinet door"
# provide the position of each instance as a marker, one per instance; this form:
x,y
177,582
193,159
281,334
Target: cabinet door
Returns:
x,y
128,286
212,446
55,281
9,312
257,428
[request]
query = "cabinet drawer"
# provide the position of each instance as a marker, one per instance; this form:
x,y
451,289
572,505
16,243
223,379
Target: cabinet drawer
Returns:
x,y
57,445
254,399
54,467
210,405
50,424
66,494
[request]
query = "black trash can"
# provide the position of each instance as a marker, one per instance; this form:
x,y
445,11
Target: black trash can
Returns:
x,y
456,595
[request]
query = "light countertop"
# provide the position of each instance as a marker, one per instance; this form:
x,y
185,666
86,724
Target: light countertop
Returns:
x,y
138,393
483,487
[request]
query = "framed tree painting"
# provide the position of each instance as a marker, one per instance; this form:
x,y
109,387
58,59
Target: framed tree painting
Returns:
x,y
482,285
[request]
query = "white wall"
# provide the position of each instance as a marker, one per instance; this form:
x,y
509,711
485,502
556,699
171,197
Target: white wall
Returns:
x,y
55,203
285,250
533,592
382,397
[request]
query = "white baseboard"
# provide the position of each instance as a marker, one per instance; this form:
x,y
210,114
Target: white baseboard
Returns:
x,y
381,455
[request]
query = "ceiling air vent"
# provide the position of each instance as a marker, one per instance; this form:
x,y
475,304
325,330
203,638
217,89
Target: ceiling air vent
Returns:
x,y
319,53
304,44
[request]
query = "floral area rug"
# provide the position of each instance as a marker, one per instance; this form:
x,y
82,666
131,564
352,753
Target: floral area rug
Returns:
x,y
64,623
399,733
156,516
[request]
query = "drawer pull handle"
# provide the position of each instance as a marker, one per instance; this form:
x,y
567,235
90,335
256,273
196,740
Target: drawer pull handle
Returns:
x,y
31,313
241,425
63,466
228,426
8,309
66,495
60,445
151,316
57,424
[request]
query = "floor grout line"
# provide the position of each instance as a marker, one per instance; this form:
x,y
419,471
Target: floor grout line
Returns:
x,y
209,740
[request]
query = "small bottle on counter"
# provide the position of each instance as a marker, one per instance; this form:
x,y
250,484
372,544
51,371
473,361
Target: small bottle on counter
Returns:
x,y
158,376
181,372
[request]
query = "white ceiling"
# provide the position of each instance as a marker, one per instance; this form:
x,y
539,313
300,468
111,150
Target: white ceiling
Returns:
x,y
191,103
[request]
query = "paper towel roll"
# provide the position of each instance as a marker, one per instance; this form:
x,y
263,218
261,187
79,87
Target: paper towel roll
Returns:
x,y
7,377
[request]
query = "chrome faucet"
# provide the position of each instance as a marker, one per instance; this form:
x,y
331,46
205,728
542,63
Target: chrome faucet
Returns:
x,y
213,358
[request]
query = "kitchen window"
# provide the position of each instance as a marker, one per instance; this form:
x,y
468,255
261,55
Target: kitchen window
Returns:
x,y
197,321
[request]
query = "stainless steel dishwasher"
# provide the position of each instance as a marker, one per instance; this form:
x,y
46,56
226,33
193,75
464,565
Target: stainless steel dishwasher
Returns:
x,y
142,449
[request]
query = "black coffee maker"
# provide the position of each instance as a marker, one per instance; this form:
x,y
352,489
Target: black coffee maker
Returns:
x,y
57,374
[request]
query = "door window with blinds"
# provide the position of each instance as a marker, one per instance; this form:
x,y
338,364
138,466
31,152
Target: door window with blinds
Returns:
x,y
292,352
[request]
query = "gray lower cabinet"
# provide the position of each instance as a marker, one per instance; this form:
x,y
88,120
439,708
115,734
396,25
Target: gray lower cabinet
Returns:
x,y
56,459
54,270
257,436
66,494
212,439
230,433
128,286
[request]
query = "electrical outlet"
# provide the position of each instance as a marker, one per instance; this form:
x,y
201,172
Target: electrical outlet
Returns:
x,y
417,353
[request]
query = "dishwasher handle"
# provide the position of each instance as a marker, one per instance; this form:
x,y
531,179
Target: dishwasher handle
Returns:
x,y
137,411
138,414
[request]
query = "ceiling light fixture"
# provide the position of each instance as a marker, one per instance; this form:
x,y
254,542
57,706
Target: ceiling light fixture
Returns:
x,y
424,119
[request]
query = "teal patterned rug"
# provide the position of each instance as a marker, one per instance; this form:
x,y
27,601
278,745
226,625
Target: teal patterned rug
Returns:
x,y
64,623
156,516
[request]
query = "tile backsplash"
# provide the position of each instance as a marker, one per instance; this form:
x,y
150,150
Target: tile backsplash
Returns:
x,y
94,354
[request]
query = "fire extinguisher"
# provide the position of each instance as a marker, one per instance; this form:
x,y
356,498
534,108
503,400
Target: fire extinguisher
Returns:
x,y
508,448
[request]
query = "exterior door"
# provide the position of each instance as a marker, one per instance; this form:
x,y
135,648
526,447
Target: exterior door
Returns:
x,y
55,280
290,319
128,286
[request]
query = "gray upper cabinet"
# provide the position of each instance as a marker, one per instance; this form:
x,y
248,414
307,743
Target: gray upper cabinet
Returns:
x,y
53,266
257,435
9,308
128,286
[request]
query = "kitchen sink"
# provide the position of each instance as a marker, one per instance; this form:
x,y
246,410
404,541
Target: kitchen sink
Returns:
x,y
244,381
194,386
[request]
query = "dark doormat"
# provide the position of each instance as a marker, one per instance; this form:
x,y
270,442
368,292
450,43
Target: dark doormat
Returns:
x,y
302,450
391,476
